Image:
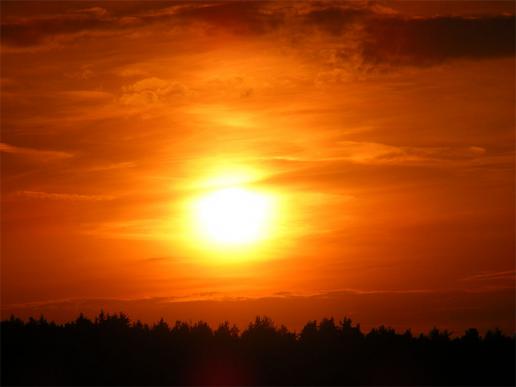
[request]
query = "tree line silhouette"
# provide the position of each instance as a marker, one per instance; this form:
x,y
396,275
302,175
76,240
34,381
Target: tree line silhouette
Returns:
x,y
113,350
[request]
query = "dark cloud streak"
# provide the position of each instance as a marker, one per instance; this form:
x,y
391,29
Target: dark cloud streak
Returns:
x,y
379,37
427,41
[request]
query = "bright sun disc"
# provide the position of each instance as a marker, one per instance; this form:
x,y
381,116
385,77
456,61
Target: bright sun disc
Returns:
x,y
233,216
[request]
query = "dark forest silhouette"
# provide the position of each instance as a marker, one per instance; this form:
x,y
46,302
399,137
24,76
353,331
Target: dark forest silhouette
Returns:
x,y
112,350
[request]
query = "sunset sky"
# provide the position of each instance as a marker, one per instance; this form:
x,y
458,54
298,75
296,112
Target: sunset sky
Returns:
x,y
379,135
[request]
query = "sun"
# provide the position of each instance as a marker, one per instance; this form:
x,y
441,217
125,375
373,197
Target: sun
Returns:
x,y
233,216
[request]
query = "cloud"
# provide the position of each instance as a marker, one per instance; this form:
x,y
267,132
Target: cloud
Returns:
x,y
136,229
83,73
425,41
492,276
238,17
62,196
371,32
32,31
34,154
235,17
336,19
97,12
91,95
156,259
373,153
151,90
110,166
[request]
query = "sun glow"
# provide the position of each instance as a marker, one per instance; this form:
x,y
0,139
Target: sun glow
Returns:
x,y
233,216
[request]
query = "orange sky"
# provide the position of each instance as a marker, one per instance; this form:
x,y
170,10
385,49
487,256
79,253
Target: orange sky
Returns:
x,y
385,130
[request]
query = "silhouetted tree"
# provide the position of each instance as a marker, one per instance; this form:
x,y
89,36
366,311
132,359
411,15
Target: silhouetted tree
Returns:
x,y
113,350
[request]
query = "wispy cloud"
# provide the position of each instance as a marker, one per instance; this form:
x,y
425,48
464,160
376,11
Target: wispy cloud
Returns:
x,y
135,229
110,166
362,152
62,196
150,90
36,154
87,94
492,276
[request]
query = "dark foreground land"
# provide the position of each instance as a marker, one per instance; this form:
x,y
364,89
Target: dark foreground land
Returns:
x,y
112,350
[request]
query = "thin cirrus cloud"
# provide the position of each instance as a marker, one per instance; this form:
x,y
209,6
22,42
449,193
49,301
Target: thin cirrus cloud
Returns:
x,y
62,196
34,154
377,153
492,276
